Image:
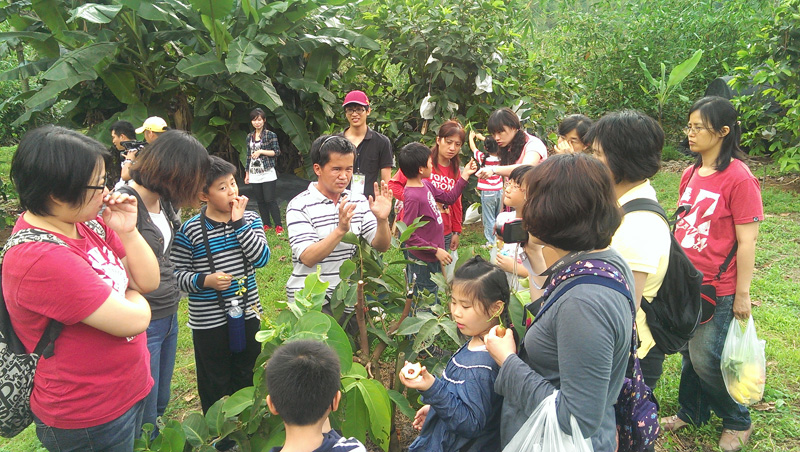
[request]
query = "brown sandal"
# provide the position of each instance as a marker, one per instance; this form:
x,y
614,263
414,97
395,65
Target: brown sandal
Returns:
x,y
672,423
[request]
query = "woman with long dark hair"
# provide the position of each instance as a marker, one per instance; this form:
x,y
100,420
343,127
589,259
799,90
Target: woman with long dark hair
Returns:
x,y
262,152
517,147
444,154
724,219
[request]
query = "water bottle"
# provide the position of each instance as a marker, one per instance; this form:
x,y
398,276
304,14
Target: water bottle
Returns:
x,y
236,336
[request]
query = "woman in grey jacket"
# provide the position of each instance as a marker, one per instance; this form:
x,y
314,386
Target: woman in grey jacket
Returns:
x,y
580,345
166,174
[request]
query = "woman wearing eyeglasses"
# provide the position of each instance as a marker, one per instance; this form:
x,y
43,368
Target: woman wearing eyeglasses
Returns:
x,y
446,172
90,393
167,174
571,133
725,214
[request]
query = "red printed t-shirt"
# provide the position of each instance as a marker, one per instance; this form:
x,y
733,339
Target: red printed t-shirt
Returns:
x,y
92,377
443,178
719,202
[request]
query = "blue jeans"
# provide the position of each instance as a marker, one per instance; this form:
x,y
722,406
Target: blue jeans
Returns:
x,y
423,273
702,388
491,202
113,436
162,341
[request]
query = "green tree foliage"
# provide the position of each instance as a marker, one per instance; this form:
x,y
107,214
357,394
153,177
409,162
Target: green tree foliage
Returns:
x,y
204,64
771,60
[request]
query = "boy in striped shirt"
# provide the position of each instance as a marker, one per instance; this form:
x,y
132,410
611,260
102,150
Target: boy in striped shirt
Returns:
x,y
235,240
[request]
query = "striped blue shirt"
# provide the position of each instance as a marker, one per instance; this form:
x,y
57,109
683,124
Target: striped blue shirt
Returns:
x,y
237,248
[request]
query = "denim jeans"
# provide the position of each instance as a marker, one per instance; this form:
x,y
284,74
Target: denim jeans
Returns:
x,y
113,436
491,202
423,271
162,341
702,388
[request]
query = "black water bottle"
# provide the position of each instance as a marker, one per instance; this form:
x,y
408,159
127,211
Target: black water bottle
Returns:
x,y
236,336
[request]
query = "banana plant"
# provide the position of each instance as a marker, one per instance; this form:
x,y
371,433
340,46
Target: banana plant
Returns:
x,y
662,88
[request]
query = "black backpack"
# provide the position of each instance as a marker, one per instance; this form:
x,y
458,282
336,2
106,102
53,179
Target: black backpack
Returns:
x,y
676,310
17,367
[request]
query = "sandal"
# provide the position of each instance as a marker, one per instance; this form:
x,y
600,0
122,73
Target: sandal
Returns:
x,y
672,423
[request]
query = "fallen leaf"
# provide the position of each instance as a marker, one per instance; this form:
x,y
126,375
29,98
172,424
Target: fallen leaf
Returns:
x,y
189,397
755,302
763,406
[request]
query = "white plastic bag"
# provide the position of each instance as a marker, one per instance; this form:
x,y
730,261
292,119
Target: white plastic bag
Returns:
x,y
473,214
541,433
450,269
426,108
743,363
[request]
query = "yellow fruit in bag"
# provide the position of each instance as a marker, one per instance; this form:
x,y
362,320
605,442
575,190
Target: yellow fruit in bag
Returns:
x,y
751,372
739,392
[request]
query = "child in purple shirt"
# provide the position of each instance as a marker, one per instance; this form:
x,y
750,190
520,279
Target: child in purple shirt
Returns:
x,y
420,197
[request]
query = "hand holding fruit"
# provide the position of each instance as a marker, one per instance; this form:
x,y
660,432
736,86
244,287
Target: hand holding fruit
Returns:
x,y
500,344
218,281
416,377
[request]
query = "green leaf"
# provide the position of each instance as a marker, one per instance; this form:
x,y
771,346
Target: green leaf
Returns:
x,y
201,65
294,126
81,62
95,13
346,269
319,64
52,89
122,84
196,429
213,8
260,90
427,334
27,69
239,401
402,404
49,11
682,70
380,411
450,329
217,121
647,74
313,322
357,416
29,35
245,56
173,437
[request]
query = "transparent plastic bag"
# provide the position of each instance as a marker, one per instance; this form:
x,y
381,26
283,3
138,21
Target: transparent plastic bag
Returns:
x,y
450,269
473,214
541,433
743,363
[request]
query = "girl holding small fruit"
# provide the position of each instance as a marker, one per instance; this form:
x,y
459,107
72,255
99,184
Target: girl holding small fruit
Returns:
x,y
462,411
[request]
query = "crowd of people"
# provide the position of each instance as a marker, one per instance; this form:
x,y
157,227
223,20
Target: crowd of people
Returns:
x,y
117,284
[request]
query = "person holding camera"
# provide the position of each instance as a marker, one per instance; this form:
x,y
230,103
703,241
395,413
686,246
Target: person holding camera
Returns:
x,y
582,339
511,255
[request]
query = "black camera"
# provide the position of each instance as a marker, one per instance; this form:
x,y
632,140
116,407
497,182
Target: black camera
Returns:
x,y
512,231
133,145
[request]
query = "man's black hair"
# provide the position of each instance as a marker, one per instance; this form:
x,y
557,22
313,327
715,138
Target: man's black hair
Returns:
x,y
303,378
124,128
413,156
323,146
56,162
218,168
631,142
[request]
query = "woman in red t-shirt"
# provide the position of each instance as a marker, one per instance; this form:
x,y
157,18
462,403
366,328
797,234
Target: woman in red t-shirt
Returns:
x,y
89,394
446,171
725,214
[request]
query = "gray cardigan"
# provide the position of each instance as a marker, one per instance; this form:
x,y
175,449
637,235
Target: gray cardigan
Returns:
x,y
580,346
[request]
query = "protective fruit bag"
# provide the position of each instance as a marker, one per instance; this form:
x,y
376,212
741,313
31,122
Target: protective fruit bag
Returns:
x,y
743,363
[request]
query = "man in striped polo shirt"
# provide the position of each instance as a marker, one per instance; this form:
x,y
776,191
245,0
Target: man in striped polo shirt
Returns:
x,y
318,218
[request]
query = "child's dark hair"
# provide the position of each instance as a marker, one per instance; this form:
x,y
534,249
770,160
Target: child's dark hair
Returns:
x,y
217,169
490,145
413,156
485,284
302,378
518,174
716,113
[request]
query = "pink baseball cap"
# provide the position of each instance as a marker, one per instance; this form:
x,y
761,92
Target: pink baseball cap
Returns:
x,y
356,97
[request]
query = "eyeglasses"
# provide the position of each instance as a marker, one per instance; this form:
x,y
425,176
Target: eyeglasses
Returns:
x,y
513,186
694,129
98,187
351,110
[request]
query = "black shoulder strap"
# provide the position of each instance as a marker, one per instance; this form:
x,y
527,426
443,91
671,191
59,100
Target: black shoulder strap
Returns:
x,y
645,204
220,300
724,266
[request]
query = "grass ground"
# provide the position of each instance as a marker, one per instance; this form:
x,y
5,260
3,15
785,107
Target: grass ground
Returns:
x,y
777,315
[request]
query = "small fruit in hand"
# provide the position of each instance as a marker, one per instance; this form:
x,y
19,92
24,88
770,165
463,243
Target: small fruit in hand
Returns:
x,y
500,331
411,371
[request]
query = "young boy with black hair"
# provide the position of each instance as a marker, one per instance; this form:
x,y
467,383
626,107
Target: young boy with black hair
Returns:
x,y
420,197
215,254
303,378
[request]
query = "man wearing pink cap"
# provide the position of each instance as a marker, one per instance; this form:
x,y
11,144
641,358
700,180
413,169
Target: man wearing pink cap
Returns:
x,y
374,160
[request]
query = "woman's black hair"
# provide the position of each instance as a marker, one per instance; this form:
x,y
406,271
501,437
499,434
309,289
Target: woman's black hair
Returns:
x,y
571,203
579,123
485,284
716,113
631,142
257,112
54,162
174,166
505,117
